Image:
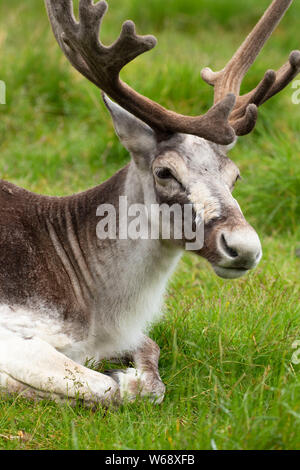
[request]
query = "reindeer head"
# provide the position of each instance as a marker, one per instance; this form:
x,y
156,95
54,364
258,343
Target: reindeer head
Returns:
x,y
181,159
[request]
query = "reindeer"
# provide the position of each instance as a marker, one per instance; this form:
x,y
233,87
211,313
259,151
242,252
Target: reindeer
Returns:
x,y
65,294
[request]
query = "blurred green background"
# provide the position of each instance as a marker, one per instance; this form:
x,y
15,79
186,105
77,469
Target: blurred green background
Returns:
x,y
226,347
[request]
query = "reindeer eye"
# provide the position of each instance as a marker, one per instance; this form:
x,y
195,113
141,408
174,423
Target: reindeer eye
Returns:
x,y
163,173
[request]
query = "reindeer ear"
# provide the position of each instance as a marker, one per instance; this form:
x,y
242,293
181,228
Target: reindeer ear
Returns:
x,y
136,136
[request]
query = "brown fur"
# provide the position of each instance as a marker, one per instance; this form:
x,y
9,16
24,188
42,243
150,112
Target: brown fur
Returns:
x,y
30,268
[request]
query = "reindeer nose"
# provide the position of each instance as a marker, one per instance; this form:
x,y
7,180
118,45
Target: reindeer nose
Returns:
x,y
240,249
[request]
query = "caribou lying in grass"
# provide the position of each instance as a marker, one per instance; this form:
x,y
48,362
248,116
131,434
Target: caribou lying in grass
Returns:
x,y
67,295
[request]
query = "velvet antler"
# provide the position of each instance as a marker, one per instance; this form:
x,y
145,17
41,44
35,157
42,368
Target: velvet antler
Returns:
x,y
244,115
102,65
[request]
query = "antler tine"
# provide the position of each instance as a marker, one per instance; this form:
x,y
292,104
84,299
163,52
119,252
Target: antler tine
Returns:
x,y
285,75
272,83
244,115
129,45
102,65
230,78
90,17
67,22
63,11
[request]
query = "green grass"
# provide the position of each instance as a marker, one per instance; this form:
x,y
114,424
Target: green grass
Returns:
x,y
226,346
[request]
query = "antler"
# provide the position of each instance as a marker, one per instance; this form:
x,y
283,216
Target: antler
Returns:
x,y
102,65
244,115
